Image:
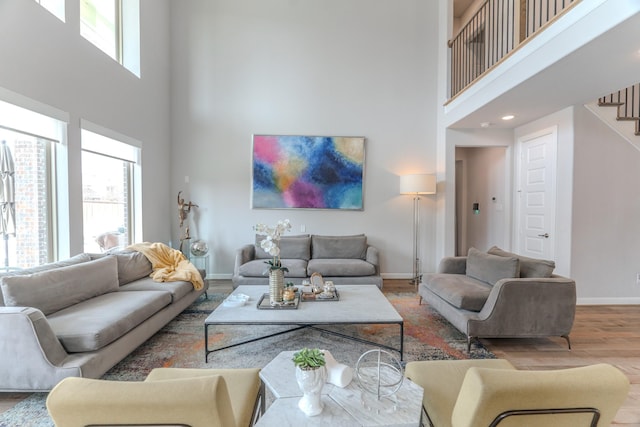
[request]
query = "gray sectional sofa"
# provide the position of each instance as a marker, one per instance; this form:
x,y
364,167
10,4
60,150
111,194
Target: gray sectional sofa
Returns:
x,y
499,294
346,260
81,316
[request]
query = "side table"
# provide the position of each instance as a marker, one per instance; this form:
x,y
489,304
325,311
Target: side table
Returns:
x,y
342,406
201,262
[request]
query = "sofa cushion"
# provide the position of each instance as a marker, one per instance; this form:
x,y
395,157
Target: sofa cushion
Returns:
x,y
340,267
354,247
53,290
258,268
529,267
94,323
177,289
459,290
491,268
294,247
77,259
132,265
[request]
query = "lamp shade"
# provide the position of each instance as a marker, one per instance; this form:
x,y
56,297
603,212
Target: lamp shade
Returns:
x,y
418,184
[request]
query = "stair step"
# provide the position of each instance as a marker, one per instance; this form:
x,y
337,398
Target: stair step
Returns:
x,y
609,104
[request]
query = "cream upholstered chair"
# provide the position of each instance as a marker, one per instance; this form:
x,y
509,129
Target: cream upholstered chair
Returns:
x,y
168,396
491,392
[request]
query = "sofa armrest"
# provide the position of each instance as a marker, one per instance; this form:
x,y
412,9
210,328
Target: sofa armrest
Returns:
x,y
453,265
527,307
31,356
373,257
243,255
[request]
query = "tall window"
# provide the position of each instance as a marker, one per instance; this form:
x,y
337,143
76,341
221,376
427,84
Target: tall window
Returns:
x,y
107,192
54,6
100,23
29,242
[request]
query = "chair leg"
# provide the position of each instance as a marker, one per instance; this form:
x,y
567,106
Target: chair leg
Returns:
x,y
566,337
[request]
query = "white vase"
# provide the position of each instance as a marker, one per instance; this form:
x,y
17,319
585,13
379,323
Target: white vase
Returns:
x,y
276,286
311,382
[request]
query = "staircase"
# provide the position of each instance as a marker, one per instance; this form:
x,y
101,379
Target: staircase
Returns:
x,y
627,102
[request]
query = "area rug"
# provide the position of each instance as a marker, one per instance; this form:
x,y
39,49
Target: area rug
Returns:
x,y
427,336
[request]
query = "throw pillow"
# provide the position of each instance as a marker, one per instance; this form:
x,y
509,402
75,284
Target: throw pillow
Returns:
x,y
52,290
291,247
348,247
491,268
529,267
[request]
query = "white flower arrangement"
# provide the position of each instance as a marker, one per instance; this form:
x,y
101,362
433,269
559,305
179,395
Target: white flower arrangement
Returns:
x,y
271,241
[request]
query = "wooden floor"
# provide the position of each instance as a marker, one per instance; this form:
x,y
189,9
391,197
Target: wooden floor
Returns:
x,y
609,334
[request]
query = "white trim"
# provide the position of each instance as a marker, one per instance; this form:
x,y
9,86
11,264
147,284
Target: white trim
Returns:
x,y
219,276
608,301
109,133
33,105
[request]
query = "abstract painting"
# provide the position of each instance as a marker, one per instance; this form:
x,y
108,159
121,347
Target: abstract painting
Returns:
x,y
307,172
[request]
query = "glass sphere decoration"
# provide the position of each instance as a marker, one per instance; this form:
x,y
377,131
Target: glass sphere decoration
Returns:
x,y
379,373
199,248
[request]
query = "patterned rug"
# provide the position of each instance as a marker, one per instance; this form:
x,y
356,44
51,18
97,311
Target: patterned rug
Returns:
x,y
427,336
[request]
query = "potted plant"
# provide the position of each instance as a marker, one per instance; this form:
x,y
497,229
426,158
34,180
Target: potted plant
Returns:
x,y
311,375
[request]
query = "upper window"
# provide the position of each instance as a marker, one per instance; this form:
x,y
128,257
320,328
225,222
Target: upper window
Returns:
x,y
114,27
54,6
100,24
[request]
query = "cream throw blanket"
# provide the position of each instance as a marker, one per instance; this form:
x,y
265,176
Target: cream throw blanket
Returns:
x,y
169,265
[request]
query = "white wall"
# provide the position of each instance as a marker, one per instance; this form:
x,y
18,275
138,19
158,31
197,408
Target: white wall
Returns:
x,y
606,209
358,68
485,183
47,61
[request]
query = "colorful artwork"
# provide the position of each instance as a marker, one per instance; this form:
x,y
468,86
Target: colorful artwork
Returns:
x,y
309,172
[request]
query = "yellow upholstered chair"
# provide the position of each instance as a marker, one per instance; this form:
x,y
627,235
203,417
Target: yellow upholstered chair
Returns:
x,y
491,392
168,396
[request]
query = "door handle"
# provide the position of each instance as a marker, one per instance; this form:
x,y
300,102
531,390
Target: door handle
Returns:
x,y
545,235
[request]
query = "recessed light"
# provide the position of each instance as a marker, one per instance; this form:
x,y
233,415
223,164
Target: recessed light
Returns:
x,y
485,124
508,117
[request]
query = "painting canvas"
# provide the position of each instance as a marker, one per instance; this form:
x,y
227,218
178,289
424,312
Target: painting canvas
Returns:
x,y
308,172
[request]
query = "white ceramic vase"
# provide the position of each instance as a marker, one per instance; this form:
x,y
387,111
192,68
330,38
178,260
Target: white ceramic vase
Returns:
x,y
311,382
276,286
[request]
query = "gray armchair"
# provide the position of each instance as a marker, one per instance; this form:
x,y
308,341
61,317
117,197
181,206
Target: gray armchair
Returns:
x,y
509,307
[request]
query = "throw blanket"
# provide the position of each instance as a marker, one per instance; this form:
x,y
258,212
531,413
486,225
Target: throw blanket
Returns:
x,y
169,265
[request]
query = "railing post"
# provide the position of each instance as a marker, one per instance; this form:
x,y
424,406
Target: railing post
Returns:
x,y
521,7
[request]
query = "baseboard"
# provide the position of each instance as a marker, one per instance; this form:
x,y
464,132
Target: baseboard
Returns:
x,y
608,301
211,276
397,276
220,276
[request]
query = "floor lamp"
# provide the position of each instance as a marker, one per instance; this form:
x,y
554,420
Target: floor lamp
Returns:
x,y
415,185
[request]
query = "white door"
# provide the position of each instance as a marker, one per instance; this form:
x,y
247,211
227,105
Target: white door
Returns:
x,y
536,194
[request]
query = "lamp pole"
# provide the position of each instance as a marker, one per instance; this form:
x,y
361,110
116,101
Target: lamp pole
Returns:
x,y
417,273
415,185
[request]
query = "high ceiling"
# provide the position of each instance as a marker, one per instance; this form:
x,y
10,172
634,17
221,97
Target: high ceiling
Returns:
x,y
459,6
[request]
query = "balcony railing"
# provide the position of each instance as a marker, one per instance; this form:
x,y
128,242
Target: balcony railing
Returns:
x,y
497,28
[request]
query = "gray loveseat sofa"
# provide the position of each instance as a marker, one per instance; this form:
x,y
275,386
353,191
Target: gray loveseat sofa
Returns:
x,y
346,260
499,294
81,316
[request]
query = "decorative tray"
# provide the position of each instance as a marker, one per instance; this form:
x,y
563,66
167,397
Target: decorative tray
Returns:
x,y
311,297
264,304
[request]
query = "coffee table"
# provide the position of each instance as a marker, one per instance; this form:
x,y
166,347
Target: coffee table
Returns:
x,y
358,304
348,406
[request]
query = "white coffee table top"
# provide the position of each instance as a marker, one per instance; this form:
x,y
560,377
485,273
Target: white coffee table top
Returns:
x,y
357,304
348,406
